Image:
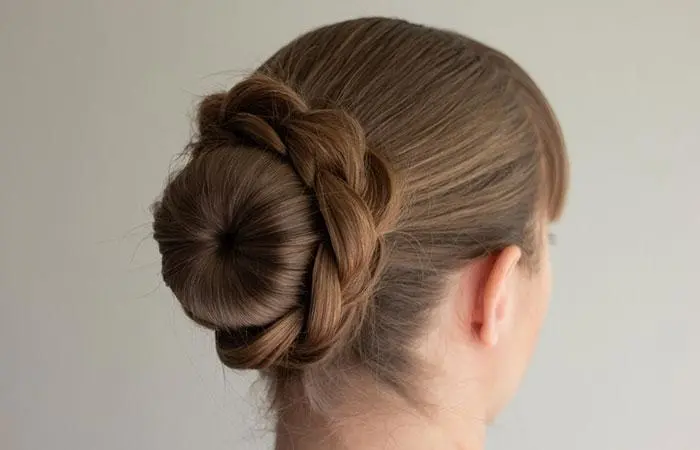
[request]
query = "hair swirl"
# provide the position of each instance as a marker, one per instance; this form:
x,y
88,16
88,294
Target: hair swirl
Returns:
x,y
279,246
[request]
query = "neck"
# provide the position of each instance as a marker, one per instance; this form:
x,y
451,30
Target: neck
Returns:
x,y
381,428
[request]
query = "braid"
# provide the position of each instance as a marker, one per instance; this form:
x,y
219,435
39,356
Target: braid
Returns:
x,y
353,194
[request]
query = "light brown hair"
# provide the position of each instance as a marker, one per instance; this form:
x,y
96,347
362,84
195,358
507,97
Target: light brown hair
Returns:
x,y
328,197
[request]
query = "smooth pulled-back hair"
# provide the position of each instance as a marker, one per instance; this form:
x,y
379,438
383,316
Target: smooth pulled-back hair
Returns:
x,y
327,199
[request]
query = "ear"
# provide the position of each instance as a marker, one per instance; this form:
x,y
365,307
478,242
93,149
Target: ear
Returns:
x,y
496,296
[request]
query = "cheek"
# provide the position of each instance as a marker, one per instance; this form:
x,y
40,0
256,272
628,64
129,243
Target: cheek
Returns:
x,y
546,286
540,300
541,287
534,303
517,348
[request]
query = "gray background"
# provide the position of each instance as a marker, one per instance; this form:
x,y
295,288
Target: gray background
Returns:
x,y
94,103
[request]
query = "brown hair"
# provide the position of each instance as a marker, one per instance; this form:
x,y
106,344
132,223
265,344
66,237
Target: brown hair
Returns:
x,y
328,197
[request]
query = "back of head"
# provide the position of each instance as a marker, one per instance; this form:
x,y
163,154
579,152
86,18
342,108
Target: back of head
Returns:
x,y
328,197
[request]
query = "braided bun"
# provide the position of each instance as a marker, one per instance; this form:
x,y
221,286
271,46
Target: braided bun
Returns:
x,y
271,235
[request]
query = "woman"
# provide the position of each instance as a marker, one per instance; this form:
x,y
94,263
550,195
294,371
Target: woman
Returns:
x,y
364,221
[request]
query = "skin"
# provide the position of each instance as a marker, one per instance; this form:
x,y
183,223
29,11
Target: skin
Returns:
x,y
477,351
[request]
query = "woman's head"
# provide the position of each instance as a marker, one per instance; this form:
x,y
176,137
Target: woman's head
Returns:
x,y
369,206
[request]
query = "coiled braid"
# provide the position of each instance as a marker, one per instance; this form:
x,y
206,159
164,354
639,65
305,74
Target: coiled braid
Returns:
x,y
329,252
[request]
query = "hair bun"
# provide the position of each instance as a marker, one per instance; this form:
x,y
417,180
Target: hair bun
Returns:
x,y
272,233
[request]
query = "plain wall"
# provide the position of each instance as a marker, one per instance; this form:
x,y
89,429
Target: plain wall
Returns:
x,y
95,101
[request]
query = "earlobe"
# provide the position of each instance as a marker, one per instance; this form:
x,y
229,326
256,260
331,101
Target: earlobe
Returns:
x,y
496,295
